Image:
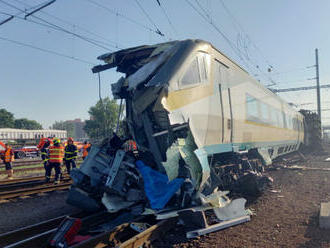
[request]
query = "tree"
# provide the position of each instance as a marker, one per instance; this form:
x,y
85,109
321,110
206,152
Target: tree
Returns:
x,y
103,119
24,123
64,125
7,119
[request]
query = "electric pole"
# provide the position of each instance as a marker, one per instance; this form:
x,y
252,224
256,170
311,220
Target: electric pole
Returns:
x,y
318,84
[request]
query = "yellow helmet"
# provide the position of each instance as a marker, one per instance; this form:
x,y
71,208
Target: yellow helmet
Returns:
x,y
56,141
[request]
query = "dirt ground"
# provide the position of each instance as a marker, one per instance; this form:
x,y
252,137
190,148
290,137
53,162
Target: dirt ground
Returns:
x,y
20,212
286,215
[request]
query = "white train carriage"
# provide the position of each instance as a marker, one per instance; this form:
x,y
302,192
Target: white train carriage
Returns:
x,y
22,134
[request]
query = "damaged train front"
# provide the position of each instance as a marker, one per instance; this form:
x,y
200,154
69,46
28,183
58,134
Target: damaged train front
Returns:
x,y
153,173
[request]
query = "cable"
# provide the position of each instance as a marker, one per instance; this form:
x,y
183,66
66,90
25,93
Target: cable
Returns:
x,y
149,18
240,27
116,13
47,51
242,43
59,28
71,24
232,46
167,17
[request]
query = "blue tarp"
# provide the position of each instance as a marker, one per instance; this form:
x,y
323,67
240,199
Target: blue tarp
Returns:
x,y
157,187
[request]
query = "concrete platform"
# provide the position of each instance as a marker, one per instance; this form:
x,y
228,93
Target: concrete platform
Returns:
x,y
324,219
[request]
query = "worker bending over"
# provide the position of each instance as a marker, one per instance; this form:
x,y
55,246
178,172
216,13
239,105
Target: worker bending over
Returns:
x,y
7,158
70,155
86,148
56,154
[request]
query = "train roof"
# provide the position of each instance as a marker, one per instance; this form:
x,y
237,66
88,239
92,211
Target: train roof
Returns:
x,y
129,60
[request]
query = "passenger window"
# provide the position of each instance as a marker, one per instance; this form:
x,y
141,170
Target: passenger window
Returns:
x,y
252,108
198,70
191,76
264,112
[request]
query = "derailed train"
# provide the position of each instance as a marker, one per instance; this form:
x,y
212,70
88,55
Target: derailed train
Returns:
x,y
198,119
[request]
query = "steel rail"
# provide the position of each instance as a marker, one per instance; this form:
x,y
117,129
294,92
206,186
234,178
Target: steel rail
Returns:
x,y
33,190
26,184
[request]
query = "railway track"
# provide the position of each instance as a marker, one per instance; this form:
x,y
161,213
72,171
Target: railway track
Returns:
x,y
9,185
122,235
34,189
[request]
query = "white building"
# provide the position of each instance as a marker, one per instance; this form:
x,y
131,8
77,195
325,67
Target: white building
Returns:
x,y
22,134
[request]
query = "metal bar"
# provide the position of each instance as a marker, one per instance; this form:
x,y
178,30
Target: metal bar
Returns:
x,y
166,131
99,68
318,83
217,227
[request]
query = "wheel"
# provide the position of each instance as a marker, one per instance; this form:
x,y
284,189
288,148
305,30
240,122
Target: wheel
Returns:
x,y
20,154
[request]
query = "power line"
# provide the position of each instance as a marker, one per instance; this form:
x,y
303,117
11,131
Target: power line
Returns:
x,y
40,8
59,28
73,25
240,27
222,34
240,40
116,13
167,17
149,18
46,50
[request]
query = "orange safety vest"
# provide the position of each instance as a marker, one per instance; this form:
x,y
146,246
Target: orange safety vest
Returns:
x,y
85,152
132,145
56,154
9,157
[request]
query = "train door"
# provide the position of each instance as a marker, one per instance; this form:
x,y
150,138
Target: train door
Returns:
x,y
221,82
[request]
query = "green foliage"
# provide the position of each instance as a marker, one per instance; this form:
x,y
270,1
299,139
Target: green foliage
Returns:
x,y
64,125
7,119
27,124
103,119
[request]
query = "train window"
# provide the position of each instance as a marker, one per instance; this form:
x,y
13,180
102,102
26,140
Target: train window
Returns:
x,y
273,117
251,108
264,112
204,65
191,75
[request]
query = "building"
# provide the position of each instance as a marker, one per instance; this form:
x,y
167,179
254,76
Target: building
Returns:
x,y
78,125
22,134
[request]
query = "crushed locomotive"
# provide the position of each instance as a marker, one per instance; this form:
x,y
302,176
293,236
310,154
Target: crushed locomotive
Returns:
x,y
201,124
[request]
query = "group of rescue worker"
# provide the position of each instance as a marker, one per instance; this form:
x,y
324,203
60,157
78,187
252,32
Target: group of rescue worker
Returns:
x,y
53,153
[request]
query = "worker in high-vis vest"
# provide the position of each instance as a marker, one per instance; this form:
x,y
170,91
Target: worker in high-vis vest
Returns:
x,y
86,148
7,158
56,154
44,153
70,155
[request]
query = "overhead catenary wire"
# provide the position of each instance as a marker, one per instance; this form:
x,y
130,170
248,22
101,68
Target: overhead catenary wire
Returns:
x,y
116,13
46,50
241,43
221,33
59,28
149,18
50,26
240,27
167,17
72,24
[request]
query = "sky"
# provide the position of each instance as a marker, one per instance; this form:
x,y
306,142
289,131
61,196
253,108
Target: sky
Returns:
x,y
257,34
